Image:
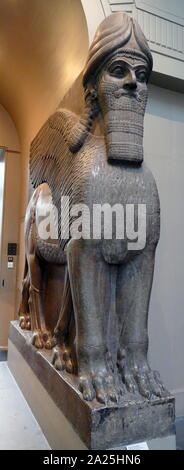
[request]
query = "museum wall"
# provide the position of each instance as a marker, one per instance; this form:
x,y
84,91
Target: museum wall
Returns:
x,y
8,293
164,144
8,134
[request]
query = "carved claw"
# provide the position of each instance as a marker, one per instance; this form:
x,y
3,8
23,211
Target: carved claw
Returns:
x,y
129,381
25,322
42,340
100,386
157,386
48,340
86,388
111,390
37,340
144,388
62,360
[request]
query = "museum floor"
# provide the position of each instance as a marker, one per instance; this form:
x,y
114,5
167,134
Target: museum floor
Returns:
x,y
19,429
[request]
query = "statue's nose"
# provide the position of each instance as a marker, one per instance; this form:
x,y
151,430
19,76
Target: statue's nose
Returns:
x,y
130,82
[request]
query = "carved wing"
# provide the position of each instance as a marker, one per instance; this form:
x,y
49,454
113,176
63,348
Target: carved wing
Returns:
x,y
50,158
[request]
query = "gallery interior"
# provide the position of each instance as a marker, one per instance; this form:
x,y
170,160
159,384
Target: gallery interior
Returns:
x,y
44,46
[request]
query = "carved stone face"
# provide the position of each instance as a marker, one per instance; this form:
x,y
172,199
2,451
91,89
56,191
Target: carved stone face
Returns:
x,y
122,96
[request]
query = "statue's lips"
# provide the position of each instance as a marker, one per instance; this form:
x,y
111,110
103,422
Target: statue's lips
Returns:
x,y
121,92
138,97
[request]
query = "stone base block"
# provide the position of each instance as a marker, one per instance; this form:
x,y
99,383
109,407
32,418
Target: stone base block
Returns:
x,y
68,421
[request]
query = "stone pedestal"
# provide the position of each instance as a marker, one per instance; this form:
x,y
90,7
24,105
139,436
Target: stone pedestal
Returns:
x,y
67,420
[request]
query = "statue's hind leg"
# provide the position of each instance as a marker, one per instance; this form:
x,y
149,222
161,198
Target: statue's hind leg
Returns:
x,y
24,315
63,356
41,336
134,284
90,286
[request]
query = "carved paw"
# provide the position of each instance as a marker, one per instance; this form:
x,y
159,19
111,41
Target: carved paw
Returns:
x,y
25,322
61,359
138,377
99,385
48,340
43,339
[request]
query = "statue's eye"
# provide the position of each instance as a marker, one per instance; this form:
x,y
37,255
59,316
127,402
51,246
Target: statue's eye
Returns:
x,y
141,75
117,70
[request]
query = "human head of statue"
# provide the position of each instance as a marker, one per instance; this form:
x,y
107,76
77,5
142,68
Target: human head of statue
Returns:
x,y
115,80
117,34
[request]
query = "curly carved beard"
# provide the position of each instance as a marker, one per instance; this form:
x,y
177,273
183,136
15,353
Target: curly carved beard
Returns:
x,y
123,116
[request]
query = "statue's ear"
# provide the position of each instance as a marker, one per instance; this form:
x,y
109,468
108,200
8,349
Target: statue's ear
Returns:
x,y
90,92
81,130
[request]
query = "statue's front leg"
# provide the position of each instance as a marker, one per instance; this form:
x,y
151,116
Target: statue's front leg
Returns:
x,y
90,286
134,284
